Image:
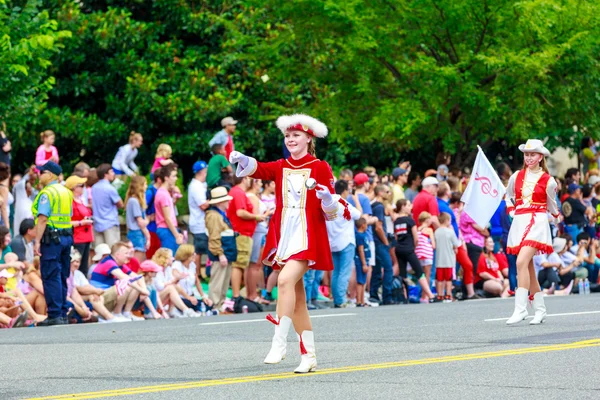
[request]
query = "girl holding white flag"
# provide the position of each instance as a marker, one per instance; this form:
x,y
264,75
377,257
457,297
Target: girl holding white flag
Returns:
x,y
531,194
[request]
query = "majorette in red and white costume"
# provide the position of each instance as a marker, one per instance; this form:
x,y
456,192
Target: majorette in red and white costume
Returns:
x,y
531,196
297,229
534,196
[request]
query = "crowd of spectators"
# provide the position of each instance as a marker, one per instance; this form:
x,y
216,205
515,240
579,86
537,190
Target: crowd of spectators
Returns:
x,y
408,238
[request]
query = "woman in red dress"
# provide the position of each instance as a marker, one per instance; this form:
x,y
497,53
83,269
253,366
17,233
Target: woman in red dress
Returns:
x,y
297,237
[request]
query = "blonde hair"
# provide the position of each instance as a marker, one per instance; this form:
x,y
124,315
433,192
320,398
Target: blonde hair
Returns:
x,y
311,147
443,218
34,267
164,150
424,216
184,252
134,135
162,257
543,165
46,134
136,190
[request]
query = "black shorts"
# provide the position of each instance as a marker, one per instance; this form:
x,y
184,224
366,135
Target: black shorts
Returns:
x,y
201,243
479,285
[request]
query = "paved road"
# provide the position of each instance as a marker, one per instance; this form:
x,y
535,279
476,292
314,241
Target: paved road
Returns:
x,y
445,351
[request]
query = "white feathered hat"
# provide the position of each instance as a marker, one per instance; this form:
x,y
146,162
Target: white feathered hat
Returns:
x,y
534,146
302,122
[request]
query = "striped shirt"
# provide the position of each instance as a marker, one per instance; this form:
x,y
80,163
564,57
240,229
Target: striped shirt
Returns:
x,y
424,249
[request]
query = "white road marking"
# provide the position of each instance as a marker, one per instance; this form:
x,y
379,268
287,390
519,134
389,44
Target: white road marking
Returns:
x,y
245,321
549,315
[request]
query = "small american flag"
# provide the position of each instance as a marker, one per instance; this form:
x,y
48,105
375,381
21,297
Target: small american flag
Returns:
x,y
123,284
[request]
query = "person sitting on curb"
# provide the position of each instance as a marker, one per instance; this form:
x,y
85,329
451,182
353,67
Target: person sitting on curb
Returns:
x,y
121,286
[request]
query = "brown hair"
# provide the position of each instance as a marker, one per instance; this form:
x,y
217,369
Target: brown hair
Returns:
x,y
166,171
47,133
118,246
401,203
443,189
92,178
543,165
4,171
424,216
443,218
184,252
161,257
134,135
453,183
102,170
80,168
136,190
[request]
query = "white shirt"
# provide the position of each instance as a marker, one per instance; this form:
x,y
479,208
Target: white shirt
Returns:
x,y
22,203
187,284
196,198
162,278
124,160
538,260
340,230
79,279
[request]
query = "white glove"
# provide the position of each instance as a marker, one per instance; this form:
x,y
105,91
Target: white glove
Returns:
x,y
238,158
323,193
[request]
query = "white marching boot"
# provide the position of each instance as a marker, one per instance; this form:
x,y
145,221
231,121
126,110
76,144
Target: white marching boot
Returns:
x,y
520,313
279,344
540,309
309,355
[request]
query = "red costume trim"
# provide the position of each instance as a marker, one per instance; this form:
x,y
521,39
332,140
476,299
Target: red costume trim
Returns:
x,y
346,214
542,247
300,127
538,198
272,319
302,348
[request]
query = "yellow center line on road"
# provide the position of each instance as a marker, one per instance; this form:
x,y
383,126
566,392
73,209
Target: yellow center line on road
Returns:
x,y
327,371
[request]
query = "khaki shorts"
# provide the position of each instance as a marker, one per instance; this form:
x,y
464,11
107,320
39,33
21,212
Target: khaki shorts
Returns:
x,y
110,236
110,298
244,248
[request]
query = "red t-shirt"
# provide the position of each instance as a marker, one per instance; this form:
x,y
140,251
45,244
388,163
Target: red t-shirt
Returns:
x,y
240,202
134,265
491,267
424,202
229,146
48,155
82,234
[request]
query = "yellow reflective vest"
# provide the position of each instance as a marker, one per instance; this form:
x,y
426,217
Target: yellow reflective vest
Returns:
x,y
61,206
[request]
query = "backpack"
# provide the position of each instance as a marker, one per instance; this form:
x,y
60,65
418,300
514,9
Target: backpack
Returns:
x,y
240,302
399,290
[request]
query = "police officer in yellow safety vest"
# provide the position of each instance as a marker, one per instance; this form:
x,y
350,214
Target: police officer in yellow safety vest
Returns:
x,y
52,210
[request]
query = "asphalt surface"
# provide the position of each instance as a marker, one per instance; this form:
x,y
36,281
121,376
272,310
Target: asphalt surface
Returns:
x,y
490,361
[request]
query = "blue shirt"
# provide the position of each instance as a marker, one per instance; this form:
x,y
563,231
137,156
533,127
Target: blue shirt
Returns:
x,y
444,206
44,203
220,137
365,204
104,205
496,221
361,240
151,210
379,212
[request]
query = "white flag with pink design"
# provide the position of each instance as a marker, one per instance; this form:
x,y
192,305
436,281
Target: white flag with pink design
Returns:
x,y
484,191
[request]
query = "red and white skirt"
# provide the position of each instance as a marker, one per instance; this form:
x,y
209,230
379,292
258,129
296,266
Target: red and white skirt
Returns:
x,y
531,230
